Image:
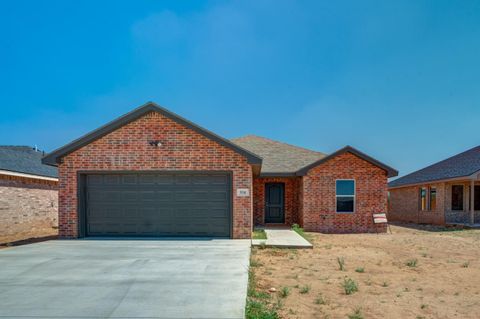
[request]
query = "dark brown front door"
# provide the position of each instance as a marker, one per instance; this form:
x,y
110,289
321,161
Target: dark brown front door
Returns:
x,y
274,203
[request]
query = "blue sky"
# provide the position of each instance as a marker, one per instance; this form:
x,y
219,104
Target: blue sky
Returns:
x,y
400,80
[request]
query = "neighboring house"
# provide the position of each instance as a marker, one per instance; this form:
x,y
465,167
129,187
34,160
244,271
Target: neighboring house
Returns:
x,y
153,173
28,194
447,192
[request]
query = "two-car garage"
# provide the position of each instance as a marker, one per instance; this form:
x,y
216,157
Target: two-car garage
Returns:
x,y
151,173
154,204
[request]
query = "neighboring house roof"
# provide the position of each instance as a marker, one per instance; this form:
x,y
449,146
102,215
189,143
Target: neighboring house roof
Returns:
x,y
281,159
460,165
278,158
54,157
26,160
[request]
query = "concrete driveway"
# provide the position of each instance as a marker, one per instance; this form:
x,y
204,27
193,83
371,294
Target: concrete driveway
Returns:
x,y
125,279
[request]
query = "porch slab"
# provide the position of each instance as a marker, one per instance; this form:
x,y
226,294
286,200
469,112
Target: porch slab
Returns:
x,y
282,238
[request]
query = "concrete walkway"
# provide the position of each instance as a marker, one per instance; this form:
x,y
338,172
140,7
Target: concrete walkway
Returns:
x,y
282,238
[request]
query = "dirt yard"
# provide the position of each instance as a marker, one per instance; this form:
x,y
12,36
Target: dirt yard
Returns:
x,y
414,273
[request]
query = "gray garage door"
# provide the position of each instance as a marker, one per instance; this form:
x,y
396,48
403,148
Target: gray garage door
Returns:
x,y
158,204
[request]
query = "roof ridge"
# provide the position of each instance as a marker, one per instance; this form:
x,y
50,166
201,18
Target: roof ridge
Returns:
x,y
279,142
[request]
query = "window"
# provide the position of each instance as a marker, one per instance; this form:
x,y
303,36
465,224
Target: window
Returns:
x,y
477,197
345,195
457,197
433,199
423,198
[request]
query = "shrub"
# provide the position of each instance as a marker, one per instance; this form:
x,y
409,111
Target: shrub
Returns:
x,y
360,270
349,286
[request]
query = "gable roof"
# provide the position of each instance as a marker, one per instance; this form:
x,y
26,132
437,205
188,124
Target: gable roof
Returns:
x,y
26,160
391,172
54,157
279,159
460,165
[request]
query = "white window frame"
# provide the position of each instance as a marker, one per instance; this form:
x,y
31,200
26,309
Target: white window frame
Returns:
x,y
354,195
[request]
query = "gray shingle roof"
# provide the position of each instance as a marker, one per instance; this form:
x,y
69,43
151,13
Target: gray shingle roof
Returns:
x,y
460,165
278,158
24,159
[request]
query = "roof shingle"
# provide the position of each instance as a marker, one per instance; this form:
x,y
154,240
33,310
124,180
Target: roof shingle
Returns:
x,y
460,165
278,158
24,159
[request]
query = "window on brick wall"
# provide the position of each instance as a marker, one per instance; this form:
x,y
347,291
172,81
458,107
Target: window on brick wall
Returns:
x,y
432,201
457,197
345,195
423,198
476,199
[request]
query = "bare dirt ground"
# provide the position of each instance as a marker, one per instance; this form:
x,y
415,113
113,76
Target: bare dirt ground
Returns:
x,y
416,272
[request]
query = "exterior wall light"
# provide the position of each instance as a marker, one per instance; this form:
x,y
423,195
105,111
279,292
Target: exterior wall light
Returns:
x,y
155,143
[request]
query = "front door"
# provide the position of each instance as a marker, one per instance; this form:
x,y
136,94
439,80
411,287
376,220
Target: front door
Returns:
x,y
274,203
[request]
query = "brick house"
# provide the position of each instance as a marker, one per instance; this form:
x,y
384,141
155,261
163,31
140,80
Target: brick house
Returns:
x,y
447,192
154,173
28,195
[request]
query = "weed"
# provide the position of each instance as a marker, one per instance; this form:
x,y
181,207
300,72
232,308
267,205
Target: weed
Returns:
x,y
357,314
305,289
424,254
259,234
360,270
296,286
257,306
296,228
412,263
341,263
423,306
385,284
284,292
349,286
466,264
320,300
258,310
254,263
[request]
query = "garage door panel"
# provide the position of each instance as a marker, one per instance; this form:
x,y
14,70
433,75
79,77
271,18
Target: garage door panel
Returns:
x,y
157,204
165,179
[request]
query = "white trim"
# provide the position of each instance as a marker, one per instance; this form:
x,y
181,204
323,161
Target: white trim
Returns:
x,y
10,173
354,195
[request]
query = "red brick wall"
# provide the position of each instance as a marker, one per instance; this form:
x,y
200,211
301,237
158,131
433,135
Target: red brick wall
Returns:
x,y
127,148
28,208
404,206
319,196
291,199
